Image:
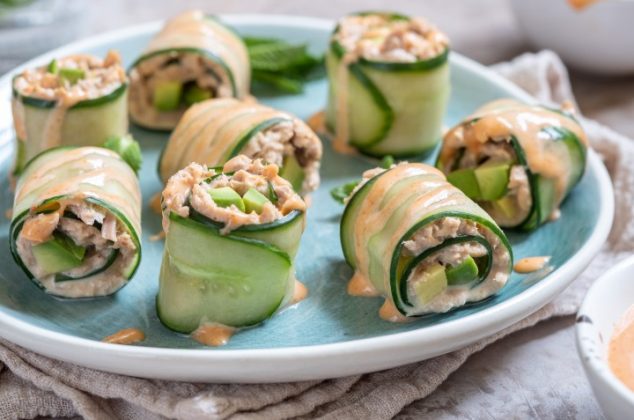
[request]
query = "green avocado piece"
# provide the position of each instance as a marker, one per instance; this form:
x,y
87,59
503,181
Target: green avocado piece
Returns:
x,y
492,179
225,197
72,75
432,283
52,67
127,148
167,95
293,172
254,201
505,206
195,94
463,273
58,254
465,180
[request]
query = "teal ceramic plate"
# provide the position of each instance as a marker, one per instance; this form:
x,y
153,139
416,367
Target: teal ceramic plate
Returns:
x,y
330,333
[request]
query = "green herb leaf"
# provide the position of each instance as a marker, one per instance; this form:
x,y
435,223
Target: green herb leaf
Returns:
x,y
72,75
282,66
387,162
341,192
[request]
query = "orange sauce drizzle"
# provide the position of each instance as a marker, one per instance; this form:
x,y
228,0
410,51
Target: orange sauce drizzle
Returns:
x,y
125,336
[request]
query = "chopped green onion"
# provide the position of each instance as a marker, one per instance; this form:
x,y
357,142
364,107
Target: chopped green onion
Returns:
x,y
72,75
52,67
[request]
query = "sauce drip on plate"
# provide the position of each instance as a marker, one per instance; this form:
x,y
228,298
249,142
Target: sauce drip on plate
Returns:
x,y
125,336
530,264
213,335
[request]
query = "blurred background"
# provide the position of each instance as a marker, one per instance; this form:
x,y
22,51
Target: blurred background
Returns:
x,y
488,31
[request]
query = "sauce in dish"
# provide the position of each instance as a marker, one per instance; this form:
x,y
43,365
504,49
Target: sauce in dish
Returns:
x,y
621,349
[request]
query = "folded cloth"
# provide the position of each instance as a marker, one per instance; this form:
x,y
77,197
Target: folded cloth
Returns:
x,y
32,385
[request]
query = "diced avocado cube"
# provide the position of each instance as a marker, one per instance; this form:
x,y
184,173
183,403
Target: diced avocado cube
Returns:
x,y
226,197
167,95
195,94
254,201
463,273
128,148
293,172
52,67
72,75
492,179
58,254
432,283
465,181
506,206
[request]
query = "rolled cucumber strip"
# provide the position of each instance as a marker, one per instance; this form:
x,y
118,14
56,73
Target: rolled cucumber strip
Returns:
x,y
231,237
419,242
214,131
531,159
193,58
51,104
388,84
76,226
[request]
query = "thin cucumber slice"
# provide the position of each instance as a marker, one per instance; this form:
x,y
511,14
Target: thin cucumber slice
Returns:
x,y
226,279
199,51
404,298
348,219
112,257
284,233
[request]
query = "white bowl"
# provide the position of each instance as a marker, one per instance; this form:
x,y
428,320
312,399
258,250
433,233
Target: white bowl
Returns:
x,y
604,305
597,39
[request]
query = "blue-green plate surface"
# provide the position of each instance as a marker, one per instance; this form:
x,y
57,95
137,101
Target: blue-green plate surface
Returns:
x,y
330,333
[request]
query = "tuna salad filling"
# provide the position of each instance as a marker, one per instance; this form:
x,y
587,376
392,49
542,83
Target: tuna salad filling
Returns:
x,y
492,176
77,250
294,148
72,79
245,192
448,276
383,37
164,85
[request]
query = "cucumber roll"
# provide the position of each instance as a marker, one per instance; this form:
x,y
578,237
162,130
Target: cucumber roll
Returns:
x,y
418,241
193,58
76,225
518,161
75,94
389,84
214,131
231,237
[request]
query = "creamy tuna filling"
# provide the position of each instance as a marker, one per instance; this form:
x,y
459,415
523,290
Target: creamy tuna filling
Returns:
x,y
454,296
288,138
518,186
184,67
96,78
192,186
107,242
375,37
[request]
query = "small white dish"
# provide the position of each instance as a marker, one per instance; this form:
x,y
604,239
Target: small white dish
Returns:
x,y
597,39
606,302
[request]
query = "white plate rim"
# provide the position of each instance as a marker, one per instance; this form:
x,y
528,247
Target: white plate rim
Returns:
x,y
308,362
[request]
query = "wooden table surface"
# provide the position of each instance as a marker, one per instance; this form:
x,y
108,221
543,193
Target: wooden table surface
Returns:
x,y
534,373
